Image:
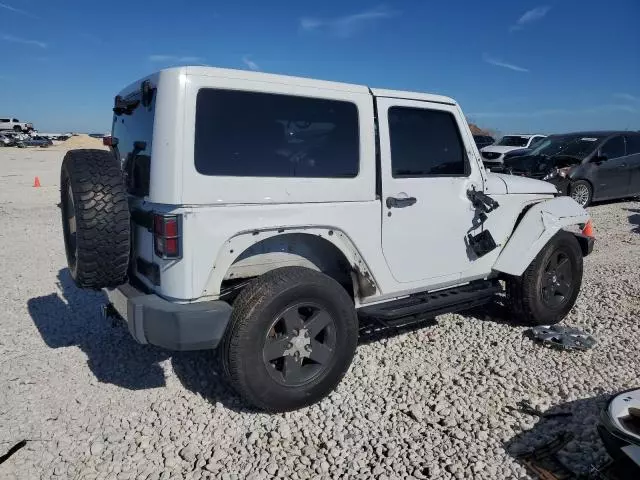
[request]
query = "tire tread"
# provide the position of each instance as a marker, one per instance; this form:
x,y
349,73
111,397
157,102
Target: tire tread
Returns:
x,y
102,217
245,309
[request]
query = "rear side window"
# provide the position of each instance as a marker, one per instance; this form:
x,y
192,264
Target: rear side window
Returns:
x,y
633,144
4,120
250,134
425,143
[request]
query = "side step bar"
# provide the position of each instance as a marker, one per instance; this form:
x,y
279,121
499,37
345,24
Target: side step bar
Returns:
x,y
434,303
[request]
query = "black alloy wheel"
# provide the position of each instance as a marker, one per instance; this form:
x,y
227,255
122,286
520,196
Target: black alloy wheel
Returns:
x,y
300,344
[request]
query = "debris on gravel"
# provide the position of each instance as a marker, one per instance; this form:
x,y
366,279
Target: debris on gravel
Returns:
x,y
439,402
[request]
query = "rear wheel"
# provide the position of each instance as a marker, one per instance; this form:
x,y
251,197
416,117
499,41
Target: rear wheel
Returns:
x,y
549,287
582,192
95,218
292,336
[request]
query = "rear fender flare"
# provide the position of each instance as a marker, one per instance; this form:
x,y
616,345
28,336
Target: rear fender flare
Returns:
x,y
541,222
236,245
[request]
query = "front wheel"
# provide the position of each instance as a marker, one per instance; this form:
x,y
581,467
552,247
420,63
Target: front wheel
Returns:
x,y
549,287
581,192
291,339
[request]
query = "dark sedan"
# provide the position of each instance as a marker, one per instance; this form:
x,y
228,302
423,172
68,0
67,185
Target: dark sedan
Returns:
x,y
36,141
587,166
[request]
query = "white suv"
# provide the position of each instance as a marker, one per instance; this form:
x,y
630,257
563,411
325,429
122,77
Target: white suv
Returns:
x,y
493,155
14,124
264,215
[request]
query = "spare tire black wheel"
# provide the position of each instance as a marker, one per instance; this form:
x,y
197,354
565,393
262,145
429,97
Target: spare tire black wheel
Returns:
x,y
95,218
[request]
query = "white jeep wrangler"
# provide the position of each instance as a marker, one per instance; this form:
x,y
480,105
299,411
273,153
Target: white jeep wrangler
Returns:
x,y
264,215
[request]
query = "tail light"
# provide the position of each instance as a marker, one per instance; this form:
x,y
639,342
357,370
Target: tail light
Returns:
x,y
109,141
167,235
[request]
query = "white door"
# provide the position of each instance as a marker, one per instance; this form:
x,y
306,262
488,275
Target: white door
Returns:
x,y
427,168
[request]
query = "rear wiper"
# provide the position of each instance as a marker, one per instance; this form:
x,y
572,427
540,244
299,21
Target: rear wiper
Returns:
x,y
123,106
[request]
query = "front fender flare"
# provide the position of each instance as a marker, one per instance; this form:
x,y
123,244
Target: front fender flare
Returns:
x,y
537,227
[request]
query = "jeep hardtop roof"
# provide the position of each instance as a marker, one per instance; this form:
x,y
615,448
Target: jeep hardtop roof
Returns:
x,y
290,80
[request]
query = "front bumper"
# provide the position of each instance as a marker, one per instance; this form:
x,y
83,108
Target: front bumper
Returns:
x,y
175,326
586,243
561,183
493,164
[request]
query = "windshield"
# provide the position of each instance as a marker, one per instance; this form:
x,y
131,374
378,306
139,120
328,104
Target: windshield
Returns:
x,y
513,141
573,146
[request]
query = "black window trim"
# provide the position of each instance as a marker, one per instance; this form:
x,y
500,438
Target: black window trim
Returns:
x,y
467,164
259,91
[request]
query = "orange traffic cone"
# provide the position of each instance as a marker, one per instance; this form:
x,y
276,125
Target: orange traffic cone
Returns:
x,y
36,182
587,231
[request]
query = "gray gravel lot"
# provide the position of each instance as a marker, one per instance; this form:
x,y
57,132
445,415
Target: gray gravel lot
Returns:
x,y
432,403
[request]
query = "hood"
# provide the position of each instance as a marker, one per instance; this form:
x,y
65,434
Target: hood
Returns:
x,y
518,152
525,185
525,162
495,184
499,149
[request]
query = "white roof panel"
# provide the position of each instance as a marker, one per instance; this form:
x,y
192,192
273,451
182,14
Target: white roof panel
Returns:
x,y
310,82
423,97
273,78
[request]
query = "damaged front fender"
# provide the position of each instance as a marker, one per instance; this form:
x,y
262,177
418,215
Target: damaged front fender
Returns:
x,y
536,228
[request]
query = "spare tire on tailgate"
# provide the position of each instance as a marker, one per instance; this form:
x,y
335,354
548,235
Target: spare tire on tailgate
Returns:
x,y
95,218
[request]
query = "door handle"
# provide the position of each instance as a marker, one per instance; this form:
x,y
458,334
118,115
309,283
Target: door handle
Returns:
x,y
393,202
623,165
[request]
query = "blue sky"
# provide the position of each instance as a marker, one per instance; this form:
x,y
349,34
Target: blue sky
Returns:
x,y
514,65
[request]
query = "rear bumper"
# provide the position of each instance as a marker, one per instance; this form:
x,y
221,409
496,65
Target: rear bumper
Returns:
x,y
156,321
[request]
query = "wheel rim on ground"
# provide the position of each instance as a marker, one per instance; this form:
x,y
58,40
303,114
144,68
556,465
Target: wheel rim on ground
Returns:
x,y
557,281
69,213
300,344
580,193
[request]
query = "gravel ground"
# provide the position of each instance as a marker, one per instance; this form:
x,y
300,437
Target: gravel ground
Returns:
x,y
432,403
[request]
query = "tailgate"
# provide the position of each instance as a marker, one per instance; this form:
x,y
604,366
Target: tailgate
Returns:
x,y
142,254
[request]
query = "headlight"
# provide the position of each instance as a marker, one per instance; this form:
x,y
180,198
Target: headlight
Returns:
x,y
558,172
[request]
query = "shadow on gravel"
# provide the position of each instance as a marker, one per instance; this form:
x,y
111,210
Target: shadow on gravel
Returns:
x,y
495,312
612,201
371,331
575,422
634,219
73,318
